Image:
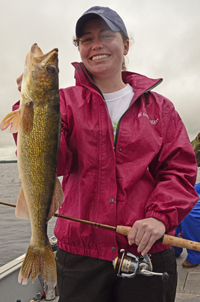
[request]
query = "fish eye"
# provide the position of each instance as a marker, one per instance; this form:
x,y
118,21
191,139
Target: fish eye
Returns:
x,y
51,68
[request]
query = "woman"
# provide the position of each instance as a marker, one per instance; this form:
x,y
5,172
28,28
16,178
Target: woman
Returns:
x,y
126,159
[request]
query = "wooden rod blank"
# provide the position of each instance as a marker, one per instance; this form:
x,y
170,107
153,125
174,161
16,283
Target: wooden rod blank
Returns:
x,y
124,230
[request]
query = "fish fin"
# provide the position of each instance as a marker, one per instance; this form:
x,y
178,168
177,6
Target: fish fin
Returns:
x,y
12,119
21,210
58,198
39,260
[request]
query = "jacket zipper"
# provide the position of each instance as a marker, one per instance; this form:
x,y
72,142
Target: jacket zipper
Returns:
x,y
117,129
97,88
146,91
83,69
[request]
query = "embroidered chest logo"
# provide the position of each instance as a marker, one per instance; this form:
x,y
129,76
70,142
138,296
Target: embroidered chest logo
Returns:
x,y
152,122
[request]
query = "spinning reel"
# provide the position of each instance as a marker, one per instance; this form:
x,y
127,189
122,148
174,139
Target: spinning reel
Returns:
x,y
129,266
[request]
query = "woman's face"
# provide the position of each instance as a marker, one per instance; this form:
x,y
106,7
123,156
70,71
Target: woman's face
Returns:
x,y
101,49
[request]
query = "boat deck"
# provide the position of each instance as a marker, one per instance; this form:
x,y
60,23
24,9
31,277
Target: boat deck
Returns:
x,y
188,289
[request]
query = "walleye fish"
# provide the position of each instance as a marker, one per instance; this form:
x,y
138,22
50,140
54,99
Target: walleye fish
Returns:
x,y
38,123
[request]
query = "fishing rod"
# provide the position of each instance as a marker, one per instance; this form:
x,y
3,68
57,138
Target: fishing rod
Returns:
x,y
124,230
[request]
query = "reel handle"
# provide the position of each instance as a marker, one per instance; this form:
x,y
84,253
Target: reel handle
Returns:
x,y
164,275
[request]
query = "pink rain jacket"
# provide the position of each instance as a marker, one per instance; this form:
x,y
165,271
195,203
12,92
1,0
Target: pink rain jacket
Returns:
x,y
149,171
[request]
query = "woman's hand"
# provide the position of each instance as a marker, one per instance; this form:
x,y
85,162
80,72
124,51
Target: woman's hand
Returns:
x,y
145,232
19,82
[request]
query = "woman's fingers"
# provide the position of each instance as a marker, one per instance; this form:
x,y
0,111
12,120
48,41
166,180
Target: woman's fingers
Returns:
x,y
19,82
145,232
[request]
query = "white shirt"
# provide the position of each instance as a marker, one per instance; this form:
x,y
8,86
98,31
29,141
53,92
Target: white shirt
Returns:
x,y
117,103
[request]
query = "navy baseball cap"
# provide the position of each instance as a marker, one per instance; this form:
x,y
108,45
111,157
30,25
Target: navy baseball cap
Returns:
x,y
112,19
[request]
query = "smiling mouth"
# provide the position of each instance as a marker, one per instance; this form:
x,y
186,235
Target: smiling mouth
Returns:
x,y
99,57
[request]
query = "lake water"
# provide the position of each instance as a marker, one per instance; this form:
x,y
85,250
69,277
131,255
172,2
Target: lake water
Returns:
x,y
14,233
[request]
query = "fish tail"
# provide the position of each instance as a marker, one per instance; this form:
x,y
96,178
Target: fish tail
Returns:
x,y
39,261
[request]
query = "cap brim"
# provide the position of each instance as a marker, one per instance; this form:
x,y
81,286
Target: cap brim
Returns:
x,y
89,16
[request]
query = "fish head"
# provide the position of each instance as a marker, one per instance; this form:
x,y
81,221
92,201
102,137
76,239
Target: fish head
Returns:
x,y
40,72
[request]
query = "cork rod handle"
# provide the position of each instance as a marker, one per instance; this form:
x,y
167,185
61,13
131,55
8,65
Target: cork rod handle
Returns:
x,y
180,242
166,239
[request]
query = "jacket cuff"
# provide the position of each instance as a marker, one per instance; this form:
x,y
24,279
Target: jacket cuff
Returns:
x,y
162,217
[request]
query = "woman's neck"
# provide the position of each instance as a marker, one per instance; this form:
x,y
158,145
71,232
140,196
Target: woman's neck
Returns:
x,y
107,85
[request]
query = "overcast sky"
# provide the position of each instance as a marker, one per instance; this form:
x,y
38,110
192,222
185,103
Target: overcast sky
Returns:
x,y
166,44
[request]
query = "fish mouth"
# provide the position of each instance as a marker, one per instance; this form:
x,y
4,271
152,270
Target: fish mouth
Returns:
x,y
35,49
50,58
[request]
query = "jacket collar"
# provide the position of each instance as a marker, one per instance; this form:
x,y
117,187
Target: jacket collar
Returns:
x,y
140,83
82,76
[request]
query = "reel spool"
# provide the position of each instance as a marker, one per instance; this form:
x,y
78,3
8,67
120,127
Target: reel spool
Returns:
x,y
129,266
